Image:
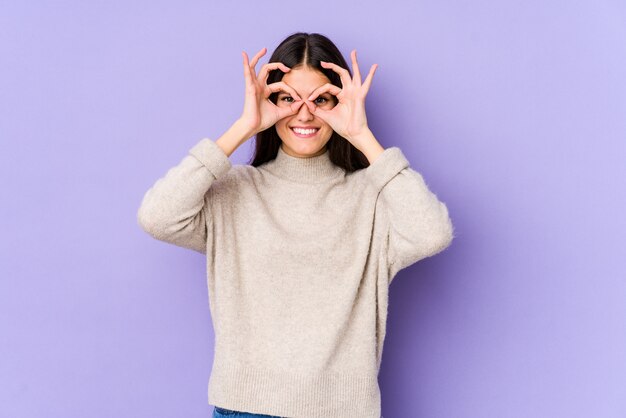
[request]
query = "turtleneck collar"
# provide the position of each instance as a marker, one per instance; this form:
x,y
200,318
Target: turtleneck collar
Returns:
x,y
318,169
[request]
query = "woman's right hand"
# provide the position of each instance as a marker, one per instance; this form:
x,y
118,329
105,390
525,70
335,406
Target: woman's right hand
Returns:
x,y
259,113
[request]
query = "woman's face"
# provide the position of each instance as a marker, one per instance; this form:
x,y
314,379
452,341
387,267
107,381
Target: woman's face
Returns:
x,y
304,144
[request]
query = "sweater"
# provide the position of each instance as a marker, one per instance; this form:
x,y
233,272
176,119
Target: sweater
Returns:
x,y
299,258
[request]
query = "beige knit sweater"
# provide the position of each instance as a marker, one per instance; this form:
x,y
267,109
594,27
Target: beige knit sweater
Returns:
x,y
299,257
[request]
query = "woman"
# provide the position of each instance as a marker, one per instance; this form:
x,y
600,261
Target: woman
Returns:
x,y
303,243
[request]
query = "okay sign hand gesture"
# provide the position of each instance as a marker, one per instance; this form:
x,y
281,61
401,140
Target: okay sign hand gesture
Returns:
x,y
348,117
259,113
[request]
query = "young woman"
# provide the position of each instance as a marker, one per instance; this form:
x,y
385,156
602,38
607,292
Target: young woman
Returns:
x,y
301,244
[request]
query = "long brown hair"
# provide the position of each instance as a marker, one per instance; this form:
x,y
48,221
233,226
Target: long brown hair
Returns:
x,y
308,49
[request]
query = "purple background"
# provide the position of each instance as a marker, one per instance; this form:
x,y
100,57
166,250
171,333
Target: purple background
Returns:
x,y
514,112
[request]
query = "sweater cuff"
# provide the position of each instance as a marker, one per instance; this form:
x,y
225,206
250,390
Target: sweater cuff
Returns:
x,y
212,156
389,163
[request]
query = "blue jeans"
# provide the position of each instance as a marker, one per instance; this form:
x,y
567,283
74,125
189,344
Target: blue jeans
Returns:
x,y
223,412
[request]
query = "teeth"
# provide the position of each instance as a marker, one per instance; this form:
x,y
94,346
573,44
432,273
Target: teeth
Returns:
x,y
304,131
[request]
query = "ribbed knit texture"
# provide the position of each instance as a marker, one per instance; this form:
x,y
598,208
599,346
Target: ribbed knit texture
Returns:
x,y
300,255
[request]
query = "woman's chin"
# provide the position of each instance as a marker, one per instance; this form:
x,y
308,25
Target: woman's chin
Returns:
x,y
303,150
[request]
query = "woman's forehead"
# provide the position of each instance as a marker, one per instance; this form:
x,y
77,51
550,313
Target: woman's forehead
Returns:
x,y
304,80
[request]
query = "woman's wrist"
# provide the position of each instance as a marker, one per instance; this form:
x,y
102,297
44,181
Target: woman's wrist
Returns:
x,y
367,143
236,135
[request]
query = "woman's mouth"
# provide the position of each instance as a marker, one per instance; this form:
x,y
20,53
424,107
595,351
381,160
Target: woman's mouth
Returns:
x,y
305,132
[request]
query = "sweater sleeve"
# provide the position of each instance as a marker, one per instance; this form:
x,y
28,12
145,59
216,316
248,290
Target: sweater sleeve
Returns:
x,y
175,209
417,224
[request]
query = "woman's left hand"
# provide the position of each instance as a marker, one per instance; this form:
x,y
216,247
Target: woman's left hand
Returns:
x,y
348,117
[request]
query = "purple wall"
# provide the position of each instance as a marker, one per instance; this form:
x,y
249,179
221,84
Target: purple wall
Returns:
x,y
514,112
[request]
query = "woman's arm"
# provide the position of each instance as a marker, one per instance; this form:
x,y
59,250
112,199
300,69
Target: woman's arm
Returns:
x,y
417,222
175,209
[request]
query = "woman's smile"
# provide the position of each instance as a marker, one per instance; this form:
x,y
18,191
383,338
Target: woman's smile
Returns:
x,y
304,132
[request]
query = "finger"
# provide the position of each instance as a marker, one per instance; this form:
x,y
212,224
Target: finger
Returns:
x,y
311,106
368,79
296,105
281,86
264,73
258,55
343,73
256,59
291,110
355,67
328,87
246,68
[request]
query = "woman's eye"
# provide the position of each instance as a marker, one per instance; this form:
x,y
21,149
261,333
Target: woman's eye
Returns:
x,y
287,98
321,98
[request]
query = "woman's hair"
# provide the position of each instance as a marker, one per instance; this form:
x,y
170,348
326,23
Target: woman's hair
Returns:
x,y
307,50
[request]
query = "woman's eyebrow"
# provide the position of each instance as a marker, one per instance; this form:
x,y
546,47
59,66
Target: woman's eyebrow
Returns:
x,y
307,95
